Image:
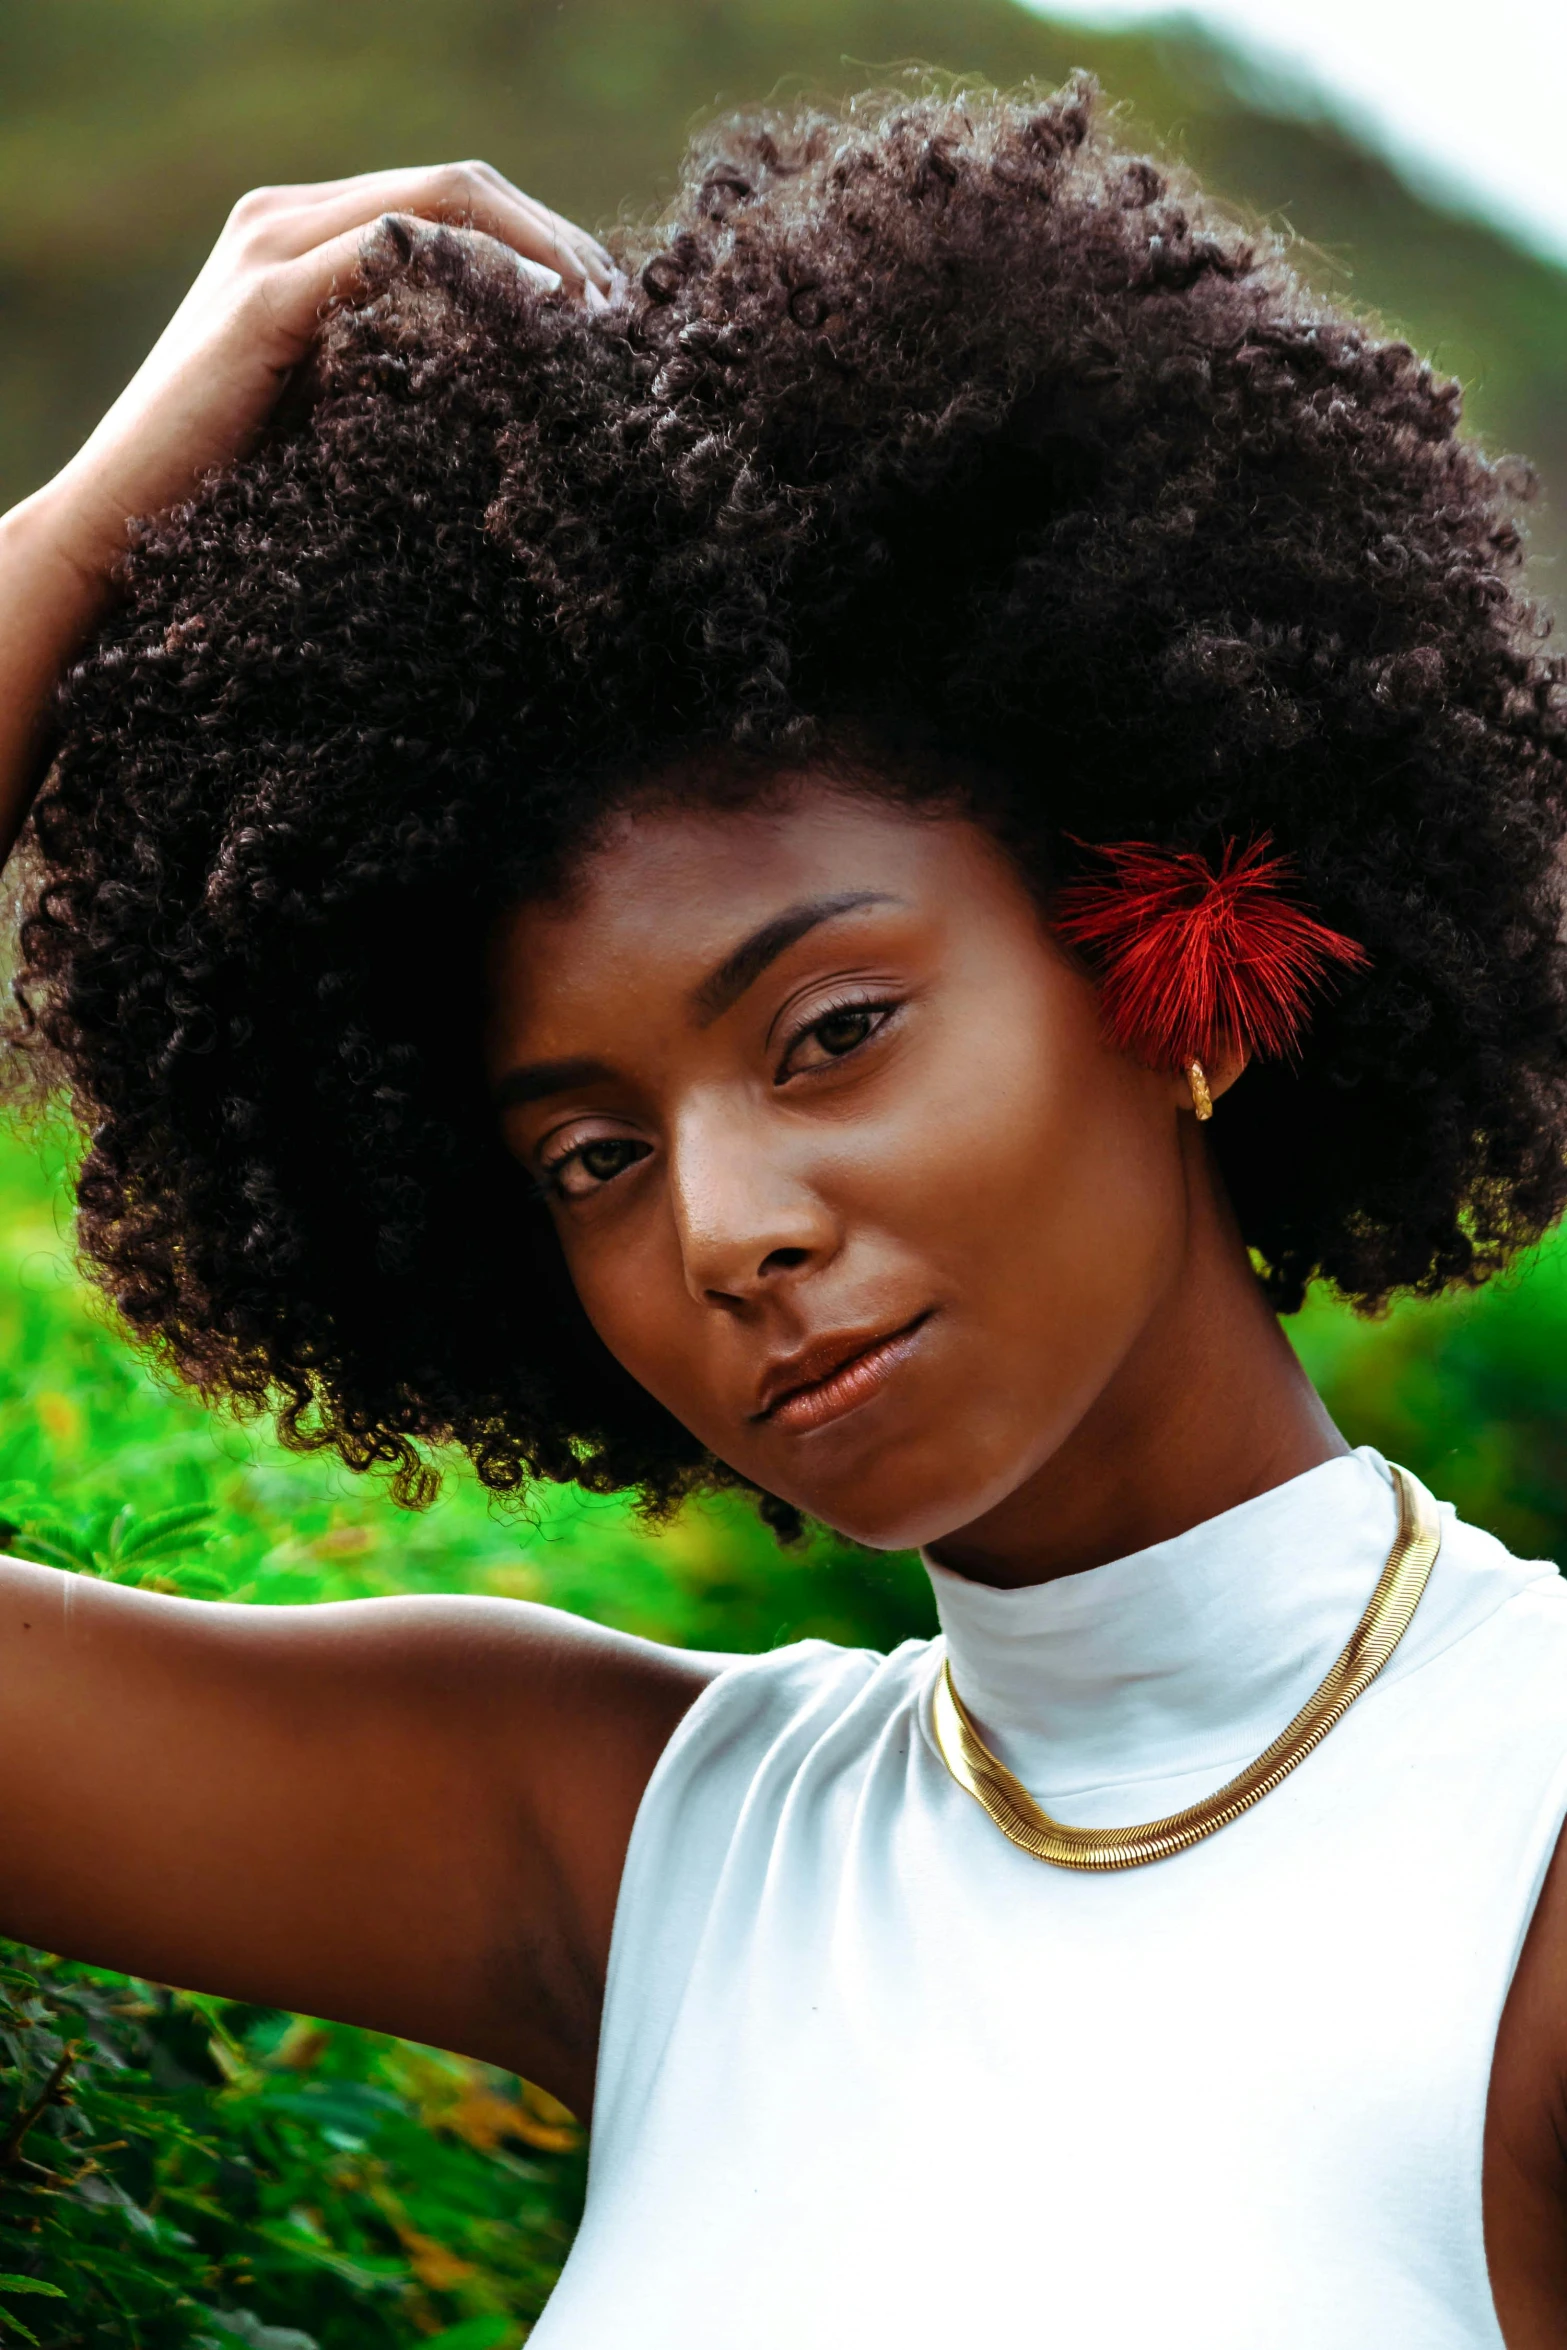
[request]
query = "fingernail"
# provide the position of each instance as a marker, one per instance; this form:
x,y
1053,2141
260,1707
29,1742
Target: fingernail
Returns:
x,y
548,279
391,230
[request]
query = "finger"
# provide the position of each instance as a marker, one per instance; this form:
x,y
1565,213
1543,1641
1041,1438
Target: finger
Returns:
x,y
428,197
573,238
381,189
565,247
555,223
293,294
406,230
463,194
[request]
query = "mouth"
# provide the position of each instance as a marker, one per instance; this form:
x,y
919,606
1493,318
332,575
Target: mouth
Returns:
x,y
835,1376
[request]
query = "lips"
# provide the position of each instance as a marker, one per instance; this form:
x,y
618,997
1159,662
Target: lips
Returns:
x,y
834,1374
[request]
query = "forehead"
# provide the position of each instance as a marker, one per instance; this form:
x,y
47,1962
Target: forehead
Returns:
x,y
666,891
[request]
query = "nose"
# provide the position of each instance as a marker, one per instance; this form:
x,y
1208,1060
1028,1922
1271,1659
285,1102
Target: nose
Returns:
x,y
747,1215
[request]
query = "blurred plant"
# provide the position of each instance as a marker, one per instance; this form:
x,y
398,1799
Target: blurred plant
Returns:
x,y
1471,1393
114,1541
170,2165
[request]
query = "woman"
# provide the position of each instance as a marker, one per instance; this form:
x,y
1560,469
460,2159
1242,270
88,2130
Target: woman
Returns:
x,y
838,868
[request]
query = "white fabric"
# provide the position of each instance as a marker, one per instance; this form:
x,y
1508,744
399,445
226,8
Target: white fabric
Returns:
x,y
870,2076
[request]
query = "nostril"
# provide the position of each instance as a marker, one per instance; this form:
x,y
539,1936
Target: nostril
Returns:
x,y
784,1260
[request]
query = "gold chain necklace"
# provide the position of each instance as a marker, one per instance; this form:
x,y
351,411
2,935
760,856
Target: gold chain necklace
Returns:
x,y
1372,1642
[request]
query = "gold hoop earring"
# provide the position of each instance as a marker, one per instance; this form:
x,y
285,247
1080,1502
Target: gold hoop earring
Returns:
x,y
1202,1099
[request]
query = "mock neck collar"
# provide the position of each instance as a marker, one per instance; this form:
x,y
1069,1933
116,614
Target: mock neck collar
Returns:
x,y
1179,1662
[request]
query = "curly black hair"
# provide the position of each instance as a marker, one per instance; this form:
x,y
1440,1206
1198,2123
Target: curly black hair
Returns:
x,y
937,424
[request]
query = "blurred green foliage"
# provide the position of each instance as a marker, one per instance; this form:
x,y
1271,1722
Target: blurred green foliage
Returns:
x,y
174,2165
1471,1393
176,2172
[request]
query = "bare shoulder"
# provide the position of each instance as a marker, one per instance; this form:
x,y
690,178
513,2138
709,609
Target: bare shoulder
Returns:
x,y
1526,2132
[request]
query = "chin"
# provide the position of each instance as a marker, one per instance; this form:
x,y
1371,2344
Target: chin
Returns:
x,y
918,1491
892,1512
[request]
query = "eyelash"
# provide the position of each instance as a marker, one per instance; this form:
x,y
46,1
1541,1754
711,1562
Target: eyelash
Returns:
x,y
549,1185
836,1011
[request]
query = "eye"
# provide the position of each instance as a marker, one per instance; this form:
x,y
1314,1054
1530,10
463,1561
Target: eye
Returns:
x,y
577,1174
832,1036
840,1032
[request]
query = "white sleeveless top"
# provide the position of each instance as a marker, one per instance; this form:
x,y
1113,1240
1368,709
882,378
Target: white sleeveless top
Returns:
x,y
872,2077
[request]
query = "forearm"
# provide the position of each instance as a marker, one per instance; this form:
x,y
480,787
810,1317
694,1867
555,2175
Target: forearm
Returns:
x,y
51,597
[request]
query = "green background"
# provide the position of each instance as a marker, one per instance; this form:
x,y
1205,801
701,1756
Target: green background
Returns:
x,y
177,2170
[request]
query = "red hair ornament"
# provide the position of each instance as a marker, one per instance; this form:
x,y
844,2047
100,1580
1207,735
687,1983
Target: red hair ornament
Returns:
x,y
1194,962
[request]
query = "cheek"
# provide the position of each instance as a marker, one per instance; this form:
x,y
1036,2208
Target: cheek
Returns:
x,y
631,1283
1033,1146
628,1284
1043,1184
1048,1207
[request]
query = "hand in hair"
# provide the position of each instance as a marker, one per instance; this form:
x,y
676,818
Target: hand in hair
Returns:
x,y
208,387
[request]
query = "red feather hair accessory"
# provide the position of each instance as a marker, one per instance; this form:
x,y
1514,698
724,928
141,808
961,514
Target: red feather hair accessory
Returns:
x,y
1191,961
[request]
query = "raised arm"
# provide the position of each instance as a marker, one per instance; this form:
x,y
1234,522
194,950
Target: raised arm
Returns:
x,y
203,393
410,1814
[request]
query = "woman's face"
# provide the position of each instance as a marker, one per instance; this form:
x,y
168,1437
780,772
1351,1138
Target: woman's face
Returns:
x,y
843,1169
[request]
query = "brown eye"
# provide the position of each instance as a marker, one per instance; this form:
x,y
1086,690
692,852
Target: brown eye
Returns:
x,y
840,1032
833,1037
593,1164
601,1160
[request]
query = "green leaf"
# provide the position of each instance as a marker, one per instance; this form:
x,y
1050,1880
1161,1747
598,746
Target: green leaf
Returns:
x,y
198,1582
113,1534
54,1544
14,2325
489,2332
164,1531
10,2284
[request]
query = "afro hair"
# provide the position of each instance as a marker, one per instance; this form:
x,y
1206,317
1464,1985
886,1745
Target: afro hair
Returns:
x,y
937,423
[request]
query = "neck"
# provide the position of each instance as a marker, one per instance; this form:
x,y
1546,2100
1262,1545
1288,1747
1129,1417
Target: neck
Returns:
x,y
1207,1410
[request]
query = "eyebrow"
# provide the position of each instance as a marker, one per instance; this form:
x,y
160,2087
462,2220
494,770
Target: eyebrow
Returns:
x,y
534,1081
745,964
